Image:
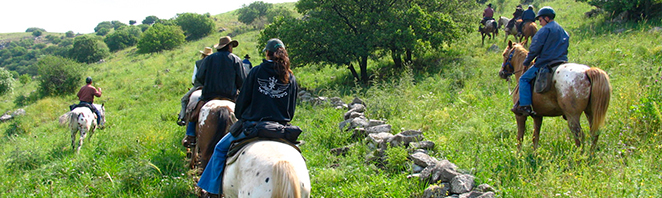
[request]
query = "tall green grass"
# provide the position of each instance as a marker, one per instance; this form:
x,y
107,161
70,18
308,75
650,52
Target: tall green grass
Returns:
x,y
454,96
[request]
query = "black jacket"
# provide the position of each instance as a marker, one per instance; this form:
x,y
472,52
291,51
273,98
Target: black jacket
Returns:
x,y
222,74
266,98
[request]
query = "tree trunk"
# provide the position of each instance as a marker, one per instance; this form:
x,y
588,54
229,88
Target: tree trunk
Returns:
x,y
408,57
363,64
351,68
396,58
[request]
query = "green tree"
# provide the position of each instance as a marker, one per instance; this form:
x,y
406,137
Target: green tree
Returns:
x,y
132,22
195,26
25,79
88,49
123,38
37,33
103,32
70,34
117,25
103,25
252,12
160,37
6,81
32,29
58,75
149,20
633,9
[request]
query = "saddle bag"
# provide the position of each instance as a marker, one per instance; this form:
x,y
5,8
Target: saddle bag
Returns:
x,y
545,77
271,130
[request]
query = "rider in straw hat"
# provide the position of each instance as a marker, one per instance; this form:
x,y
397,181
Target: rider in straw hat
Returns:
x,y
190,135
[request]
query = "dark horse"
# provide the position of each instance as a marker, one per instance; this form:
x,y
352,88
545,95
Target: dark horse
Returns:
x,y
214,120
491,29
576,89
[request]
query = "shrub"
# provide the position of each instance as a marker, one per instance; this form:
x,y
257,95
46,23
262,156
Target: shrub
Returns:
x,y
70,34
88,49
123,38
6,81
195,26
160,37
632,9
58,75
37,33
24,79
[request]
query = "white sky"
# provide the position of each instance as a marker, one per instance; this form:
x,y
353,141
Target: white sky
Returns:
x,y
81,16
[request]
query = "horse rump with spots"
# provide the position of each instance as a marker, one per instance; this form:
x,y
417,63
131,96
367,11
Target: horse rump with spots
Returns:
x,y
266,168
83,120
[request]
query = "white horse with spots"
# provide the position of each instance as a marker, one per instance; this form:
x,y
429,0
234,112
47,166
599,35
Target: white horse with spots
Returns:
x,y
83,120
266,169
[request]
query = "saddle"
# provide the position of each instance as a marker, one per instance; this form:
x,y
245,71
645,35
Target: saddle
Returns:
x,y
89,106
545,76
239,145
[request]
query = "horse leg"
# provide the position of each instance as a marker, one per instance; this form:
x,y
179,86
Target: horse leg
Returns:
x,y
595,132
73,137
576,128
83,133
521,128
537,124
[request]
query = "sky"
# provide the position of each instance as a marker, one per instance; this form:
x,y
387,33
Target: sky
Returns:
x,y
81,16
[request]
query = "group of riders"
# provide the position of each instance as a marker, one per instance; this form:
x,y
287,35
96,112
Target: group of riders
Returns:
x,y
549,44
268,92
520,17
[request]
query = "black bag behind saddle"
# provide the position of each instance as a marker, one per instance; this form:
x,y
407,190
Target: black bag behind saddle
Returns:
x,y
267,129
545,77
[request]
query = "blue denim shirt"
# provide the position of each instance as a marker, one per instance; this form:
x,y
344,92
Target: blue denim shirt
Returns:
x,y
528,15
550,43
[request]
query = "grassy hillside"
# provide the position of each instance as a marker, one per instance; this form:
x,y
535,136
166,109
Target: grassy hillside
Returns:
x,y
455,97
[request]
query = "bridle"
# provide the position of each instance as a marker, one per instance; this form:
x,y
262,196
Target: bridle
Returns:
x,y
508,65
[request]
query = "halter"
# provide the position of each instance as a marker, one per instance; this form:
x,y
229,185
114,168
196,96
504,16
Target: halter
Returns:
x,y
510,65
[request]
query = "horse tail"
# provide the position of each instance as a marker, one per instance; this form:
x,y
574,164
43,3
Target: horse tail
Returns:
x,y
600,96
221,128
286,181
64,118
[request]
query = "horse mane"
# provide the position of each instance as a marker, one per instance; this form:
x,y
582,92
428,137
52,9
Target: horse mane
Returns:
x,y
286,182
520,53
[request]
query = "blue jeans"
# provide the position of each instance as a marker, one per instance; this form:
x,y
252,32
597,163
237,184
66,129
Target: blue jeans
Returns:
x,y
525,86
190,128
212,178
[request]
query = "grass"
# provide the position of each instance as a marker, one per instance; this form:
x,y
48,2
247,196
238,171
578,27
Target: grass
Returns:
x,y
455,97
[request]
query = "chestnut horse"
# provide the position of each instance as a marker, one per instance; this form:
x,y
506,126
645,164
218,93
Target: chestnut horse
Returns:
x,y
266,169
529,29
576,89
214,120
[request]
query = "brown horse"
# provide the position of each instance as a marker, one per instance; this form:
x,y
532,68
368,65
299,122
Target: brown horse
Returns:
x,y
491,29
214,120
576,89
528,30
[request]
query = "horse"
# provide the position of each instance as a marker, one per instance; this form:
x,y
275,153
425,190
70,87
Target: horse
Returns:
x,y
510,30
502,21
214,120
84,120
528,30
490,30
266,169
576,88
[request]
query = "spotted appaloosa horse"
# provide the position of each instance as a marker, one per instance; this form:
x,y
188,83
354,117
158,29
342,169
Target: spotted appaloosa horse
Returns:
x,y
83,120
576,89
214,120
490,29
266,169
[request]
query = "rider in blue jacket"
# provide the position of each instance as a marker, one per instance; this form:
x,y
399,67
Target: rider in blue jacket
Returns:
x,y
528,16
549,44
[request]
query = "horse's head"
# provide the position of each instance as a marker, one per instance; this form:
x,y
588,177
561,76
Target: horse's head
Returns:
x,y
102,111
512,65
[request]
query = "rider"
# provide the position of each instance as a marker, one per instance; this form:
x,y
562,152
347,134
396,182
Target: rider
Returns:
x,y
488,14
527,16
259,100
516,15
196,84
549,44
86,96
222,75
247,63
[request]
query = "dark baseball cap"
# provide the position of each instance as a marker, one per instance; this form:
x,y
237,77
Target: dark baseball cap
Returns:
x,y
273,44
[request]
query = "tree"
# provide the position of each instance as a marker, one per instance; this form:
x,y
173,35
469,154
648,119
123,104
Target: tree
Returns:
x,y
58,75
160,37
123,38
32,29
88,49
150,20
103,32
132,22
633,9
37,33
195,26
342,31
117,24
103,25
70,34
6,81
252,12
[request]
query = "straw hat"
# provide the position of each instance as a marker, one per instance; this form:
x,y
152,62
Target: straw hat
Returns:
x,y
208,51
225,41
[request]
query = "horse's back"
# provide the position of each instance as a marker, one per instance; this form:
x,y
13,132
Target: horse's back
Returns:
x,y
252,175
570,94
212,105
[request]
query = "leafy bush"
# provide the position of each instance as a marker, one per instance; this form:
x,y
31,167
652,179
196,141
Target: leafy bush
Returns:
x,y
123,38
149,20
195,26
24,79
37,33
32,29
70,34
160,37
632,9
89,49
102,25
58,76
6,81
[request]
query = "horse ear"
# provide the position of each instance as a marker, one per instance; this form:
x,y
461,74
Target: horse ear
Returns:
x,y
524,42
510,44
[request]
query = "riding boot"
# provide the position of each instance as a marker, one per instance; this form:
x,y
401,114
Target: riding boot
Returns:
x,y
189,141
523,111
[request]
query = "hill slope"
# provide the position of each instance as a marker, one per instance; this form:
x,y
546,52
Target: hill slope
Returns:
x,y
455,97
